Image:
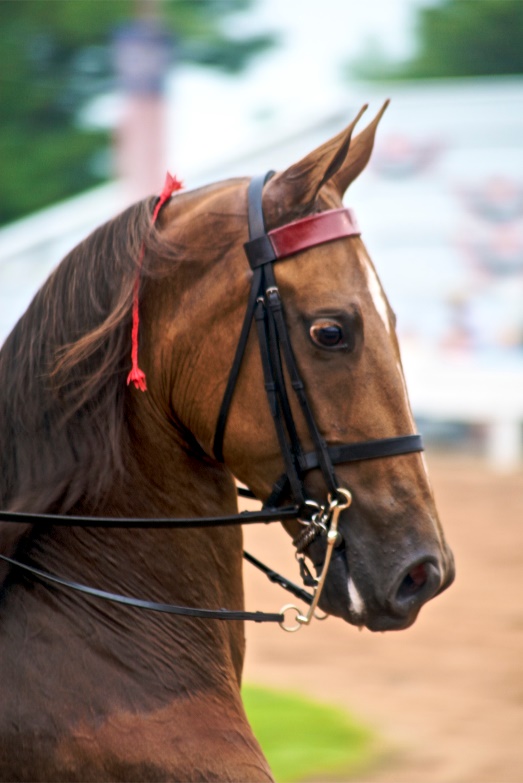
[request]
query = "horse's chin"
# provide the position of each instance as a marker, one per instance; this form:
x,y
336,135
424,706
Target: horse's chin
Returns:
x,y
335,599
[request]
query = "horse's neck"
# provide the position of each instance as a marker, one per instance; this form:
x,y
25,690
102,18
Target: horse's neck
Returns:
x,y
149,695
199,567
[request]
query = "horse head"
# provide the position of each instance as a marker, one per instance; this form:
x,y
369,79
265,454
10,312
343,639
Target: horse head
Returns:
x,y
391,556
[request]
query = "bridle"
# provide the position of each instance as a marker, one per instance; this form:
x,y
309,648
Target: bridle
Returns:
x,y
265,309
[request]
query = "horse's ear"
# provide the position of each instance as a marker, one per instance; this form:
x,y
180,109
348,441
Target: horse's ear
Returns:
x,y
293,191
359,154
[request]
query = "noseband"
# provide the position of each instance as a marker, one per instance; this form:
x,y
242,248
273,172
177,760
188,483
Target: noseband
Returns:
x,y
265,309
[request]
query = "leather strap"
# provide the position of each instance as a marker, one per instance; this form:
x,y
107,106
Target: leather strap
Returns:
x,y
314,230
278,402
256,229
298,386
282,581
270,344
139,603
370,449
235,369
244,518
280,243
350,452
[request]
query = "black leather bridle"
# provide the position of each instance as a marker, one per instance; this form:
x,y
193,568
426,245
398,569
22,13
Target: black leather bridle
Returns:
x,y
265,308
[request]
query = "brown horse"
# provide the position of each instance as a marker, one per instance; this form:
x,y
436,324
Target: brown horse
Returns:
x,y
97,691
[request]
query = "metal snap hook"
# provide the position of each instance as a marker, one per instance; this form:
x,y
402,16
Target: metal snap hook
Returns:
x,y
307,578
334,511
317,511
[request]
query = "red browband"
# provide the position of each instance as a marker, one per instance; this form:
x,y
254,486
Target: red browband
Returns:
x,y
313,230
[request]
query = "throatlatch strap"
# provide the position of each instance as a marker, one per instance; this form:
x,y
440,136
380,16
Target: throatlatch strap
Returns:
x,y
235,369
256,227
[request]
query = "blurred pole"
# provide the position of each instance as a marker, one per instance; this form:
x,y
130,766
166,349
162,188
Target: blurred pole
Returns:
x,y
143,52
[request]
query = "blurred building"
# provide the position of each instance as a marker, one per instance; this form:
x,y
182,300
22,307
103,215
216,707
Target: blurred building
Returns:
x,y
143,52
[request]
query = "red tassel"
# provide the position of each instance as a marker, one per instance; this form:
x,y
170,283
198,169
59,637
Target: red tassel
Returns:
x,y
137,376
170,186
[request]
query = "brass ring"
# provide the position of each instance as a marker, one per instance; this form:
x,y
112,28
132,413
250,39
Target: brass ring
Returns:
x,y
334,502
290,628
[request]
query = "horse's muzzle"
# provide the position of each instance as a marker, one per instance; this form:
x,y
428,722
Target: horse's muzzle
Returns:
x,y
393,605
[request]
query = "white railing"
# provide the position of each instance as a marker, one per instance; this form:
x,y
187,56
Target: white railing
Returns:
x,y
473,390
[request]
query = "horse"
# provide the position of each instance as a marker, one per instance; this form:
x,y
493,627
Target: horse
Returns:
x,y
267,356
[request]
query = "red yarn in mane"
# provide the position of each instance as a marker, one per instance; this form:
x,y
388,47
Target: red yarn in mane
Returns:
x,y
137,376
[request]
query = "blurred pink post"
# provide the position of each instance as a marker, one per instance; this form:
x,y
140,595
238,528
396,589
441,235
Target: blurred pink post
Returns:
x,y
143,52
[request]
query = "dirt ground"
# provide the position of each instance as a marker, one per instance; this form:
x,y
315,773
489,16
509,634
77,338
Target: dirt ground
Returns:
x,y
446,695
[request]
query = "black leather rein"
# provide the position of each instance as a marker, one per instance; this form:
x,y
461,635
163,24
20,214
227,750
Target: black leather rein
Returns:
x,y
265,309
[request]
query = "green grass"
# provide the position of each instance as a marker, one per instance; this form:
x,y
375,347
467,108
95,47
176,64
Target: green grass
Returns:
x,y
304,739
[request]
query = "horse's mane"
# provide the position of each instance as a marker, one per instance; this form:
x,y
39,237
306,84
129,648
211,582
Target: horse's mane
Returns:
x,y
63,371
63,368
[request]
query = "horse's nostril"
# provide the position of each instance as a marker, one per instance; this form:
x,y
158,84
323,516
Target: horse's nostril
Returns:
x,y
420,582
415,584
412,581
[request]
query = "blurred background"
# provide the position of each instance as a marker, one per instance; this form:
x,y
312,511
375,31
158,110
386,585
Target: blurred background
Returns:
x,y
99,98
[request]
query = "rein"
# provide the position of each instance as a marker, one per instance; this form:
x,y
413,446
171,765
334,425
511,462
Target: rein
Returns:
x,y
265,309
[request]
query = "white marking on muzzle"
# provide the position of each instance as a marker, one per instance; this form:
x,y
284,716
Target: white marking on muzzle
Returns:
x,y
357,603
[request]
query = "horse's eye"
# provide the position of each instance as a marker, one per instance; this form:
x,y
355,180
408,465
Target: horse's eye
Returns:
x,y
327,334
